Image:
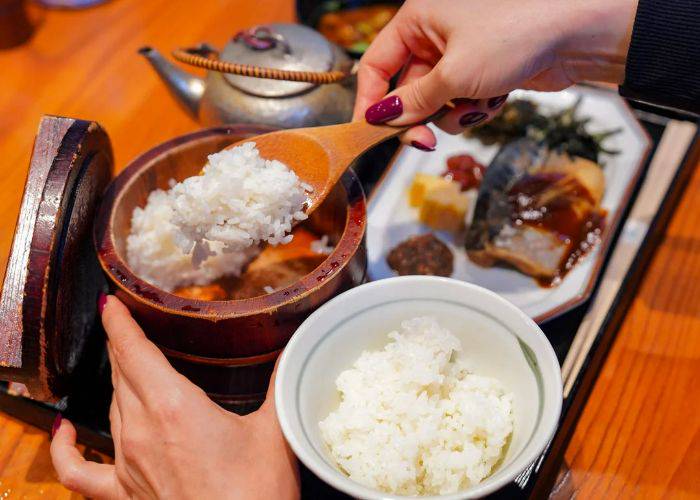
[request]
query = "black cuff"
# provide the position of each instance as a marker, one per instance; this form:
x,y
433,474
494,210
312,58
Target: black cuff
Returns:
x,y
663,63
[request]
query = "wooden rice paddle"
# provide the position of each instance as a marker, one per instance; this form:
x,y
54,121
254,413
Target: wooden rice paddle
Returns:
x,y
320,155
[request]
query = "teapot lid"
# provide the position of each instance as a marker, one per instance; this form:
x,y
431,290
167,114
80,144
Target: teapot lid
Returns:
x,y
49,324
279,46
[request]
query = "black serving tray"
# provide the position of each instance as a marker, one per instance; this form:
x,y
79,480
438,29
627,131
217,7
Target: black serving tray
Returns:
x,y
88,406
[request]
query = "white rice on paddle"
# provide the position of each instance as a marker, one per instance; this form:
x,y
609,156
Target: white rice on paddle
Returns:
x,y
210,225
240,200
414,420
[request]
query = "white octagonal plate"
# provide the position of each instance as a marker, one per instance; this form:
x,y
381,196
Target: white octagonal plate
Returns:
x,y
391,220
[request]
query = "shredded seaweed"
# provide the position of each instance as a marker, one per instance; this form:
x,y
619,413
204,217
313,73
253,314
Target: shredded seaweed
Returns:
x,y
563,132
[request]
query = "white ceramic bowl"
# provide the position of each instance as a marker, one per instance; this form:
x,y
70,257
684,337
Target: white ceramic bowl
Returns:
x,y
499,339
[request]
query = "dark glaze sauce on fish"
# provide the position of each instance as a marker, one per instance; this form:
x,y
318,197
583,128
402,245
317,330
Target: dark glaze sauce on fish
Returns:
x,y
561,205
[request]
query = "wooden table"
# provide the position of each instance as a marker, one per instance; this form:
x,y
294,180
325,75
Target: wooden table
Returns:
x,y
640,432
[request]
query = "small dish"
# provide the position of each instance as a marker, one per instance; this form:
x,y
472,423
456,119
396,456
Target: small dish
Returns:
x,y
501,340
312,12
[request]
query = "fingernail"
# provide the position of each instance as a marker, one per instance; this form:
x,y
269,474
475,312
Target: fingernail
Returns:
x,y
494,102
472,118
56,424
101,302
421,146
387,109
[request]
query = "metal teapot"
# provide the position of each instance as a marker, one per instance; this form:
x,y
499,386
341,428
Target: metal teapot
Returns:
x,y
283,75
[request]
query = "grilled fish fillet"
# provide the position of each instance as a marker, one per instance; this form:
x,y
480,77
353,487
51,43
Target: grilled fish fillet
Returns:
x,y
537,211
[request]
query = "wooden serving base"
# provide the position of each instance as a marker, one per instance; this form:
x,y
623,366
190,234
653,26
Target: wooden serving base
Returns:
x,y
581,337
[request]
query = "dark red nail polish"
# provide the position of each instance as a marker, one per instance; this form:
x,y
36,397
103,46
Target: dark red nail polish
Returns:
x,y
494,102
387,109
465,101
56,424
472,118
101,302
421,146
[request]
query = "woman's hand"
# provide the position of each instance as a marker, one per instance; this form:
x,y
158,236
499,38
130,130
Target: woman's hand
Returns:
x,y
170,439
474,52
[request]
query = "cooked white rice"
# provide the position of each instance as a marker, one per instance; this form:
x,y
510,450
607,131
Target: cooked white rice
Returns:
x,y
210,225
414,420
239,200
154,255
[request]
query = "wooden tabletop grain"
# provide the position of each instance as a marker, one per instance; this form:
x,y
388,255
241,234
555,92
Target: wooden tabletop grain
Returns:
x,y
639,435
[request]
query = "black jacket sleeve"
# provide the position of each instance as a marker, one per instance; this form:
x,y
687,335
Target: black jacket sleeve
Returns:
x,y
663,64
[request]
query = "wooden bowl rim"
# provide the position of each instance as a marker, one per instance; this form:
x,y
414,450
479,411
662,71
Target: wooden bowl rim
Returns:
x,y
120,273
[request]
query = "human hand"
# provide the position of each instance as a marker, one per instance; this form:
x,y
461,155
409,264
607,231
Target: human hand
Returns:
x,y
474,52
170,439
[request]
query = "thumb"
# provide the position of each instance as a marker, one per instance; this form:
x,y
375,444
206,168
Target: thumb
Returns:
x,y
269,403
413,102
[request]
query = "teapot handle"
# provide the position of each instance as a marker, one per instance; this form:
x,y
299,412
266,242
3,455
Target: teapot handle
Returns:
x,y
205,56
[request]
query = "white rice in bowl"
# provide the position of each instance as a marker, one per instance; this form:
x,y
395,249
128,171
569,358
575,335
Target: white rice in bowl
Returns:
x,y
211,225
414,419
